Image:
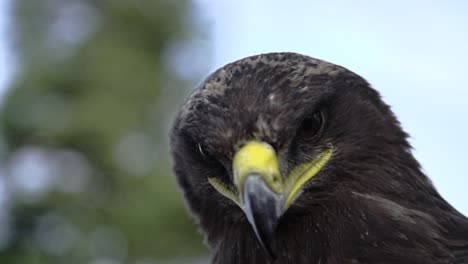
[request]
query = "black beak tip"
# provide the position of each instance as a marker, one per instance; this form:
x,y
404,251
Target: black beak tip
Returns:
x,y
263,208
266,238
268,248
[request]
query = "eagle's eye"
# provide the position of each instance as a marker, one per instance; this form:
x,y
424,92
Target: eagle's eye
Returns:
x,y
312,125
206,155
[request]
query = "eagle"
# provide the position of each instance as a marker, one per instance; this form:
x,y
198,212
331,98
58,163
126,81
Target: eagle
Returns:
x,y
284,158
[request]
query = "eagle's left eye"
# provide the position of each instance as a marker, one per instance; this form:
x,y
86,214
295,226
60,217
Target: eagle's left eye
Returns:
x,y
312,124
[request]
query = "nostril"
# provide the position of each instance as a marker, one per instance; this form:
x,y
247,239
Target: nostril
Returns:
x,y
275,180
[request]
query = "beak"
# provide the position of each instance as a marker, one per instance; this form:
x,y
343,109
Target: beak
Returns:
x,y
260,190
260,186
263,208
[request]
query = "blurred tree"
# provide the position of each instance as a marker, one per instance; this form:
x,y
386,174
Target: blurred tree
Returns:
x,y
85,133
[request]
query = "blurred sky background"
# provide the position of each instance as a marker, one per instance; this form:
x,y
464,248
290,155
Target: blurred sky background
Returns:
x,y
6,60
413,52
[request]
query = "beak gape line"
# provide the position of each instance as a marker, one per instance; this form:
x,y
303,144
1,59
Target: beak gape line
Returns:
x,y
260,191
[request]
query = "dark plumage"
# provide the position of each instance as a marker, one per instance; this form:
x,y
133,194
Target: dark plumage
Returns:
x,y
369,203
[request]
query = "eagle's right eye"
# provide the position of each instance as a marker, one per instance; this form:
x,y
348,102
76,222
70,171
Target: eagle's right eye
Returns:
x,y
205,154
214,165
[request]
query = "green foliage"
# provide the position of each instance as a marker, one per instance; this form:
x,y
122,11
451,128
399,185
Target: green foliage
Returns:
x,y
94,91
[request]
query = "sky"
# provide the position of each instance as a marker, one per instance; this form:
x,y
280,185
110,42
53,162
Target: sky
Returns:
x,y
5,58
412,52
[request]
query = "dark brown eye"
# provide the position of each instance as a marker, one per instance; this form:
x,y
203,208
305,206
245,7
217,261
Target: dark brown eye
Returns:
x,y
312,124
206,155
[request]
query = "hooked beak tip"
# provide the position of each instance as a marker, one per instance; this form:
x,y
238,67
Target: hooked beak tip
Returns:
x,y
263,208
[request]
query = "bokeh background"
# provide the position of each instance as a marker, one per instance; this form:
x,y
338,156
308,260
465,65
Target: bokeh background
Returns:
x,y
88,89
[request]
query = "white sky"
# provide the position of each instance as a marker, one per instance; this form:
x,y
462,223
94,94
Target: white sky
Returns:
x,y
5,58
413,52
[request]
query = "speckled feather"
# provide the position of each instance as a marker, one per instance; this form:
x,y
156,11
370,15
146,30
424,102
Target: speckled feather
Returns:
x,y
370,204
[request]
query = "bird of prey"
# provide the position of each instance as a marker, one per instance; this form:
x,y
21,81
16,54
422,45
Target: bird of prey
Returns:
x,y
283,158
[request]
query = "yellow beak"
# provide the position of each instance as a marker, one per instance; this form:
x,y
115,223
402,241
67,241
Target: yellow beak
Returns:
x,y
260,190
260,158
